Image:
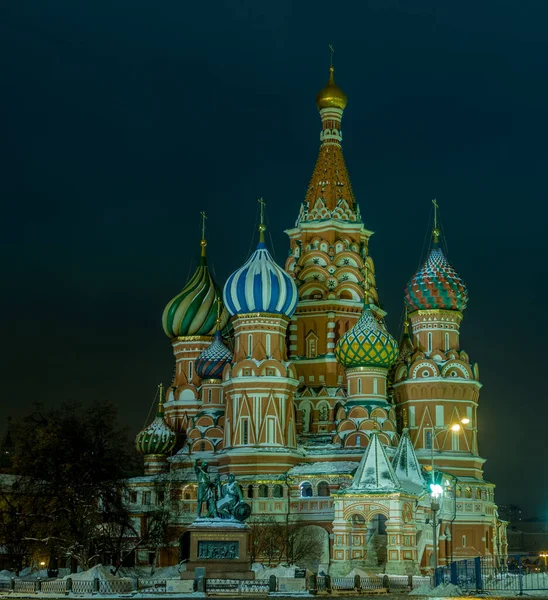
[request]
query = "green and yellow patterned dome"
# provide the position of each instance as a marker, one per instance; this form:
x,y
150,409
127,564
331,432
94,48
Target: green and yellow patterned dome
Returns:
x,y
158,437
367,344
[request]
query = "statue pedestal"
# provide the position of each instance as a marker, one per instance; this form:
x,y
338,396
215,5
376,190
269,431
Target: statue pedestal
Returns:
x,y
221,548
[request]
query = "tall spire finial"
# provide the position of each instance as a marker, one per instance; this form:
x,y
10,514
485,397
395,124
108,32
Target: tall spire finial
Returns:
x,y
262,226
405,322
219,310
160,399
331,52
435,231
366,283
203,242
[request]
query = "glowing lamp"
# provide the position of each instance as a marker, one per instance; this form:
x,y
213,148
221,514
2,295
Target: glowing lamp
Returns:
x,y
455,427
436,490
465,421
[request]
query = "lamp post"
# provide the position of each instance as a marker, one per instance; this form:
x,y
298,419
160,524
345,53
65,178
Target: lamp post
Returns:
x,y
436,490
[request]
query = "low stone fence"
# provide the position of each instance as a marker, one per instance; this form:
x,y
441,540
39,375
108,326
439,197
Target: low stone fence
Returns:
x,y
214,587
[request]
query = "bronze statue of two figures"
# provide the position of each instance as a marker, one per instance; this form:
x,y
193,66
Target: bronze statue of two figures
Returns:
x,y
223,499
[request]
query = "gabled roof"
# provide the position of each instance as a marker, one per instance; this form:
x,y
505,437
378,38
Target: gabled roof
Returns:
x,y
407,467
375,473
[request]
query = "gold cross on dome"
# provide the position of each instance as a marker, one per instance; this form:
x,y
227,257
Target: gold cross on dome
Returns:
x,y
203,215
262,227
436,206
332,51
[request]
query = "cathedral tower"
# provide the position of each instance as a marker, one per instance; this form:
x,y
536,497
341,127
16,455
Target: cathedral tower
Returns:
x,y
190,320
260,434
435,385
329,261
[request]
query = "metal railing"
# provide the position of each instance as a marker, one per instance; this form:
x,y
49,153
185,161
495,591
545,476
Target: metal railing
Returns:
x,y
486,574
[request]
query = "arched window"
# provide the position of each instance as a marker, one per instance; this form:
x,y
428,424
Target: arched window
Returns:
x,y
323,489
459,491
250,491
278,491
263,491
357,520
468,492
306,490
202,446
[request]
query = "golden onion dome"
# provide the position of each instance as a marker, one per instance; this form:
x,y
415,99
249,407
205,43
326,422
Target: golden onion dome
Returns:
x,y
331,96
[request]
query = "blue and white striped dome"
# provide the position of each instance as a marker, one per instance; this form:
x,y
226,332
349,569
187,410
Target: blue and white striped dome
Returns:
x,y
260,286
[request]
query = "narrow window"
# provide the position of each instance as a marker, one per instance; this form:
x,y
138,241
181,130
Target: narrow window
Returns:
x,y
428,439
358,440
209,396
439,416
245,432
411,416
359,386
268,344
263,491
249,345
202,447
160,497
190,370
271,431
464,541
375,385
455,445
446,342
278,491
429,341
469,414
250,491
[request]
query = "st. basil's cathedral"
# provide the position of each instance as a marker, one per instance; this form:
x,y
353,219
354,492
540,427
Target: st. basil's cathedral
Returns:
x,y
288,378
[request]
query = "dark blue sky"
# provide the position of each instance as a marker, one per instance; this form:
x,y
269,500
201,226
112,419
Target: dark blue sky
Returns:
x,y
122,120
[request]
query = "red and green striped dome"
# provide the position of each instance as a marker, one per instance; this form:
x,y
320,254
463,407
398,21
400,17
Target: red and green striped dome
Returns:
x,y
436,285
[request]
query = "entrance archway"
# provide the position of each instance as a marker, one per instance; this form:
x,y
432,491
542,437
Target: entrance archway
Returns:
x,y
376,541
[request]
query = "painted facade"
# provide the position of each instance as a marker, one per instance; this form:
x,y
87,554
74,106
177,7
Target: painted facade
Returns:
x,y
289,379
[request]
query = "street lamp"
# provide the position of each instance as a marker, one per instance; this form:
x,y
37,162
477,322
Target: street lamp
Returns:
x,y
436,490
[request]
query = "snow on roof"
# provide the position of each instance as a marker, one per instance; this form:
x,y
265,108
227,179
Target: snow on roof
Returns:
x,y
407,467
374,473
323,468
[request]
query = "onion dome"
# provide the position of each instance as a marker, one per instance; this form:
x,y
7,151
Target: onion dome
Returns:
x,y
331,96
158,437
367,344
260,285
194,310
211,361
436,285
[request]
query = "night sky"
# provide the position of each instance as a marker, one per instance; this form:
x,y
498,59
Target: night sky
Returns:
x,y
121,120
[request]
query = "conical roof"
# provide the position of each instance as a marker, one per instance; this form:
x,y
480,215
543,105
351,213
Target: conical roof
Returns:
x,y
374,473
407,467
